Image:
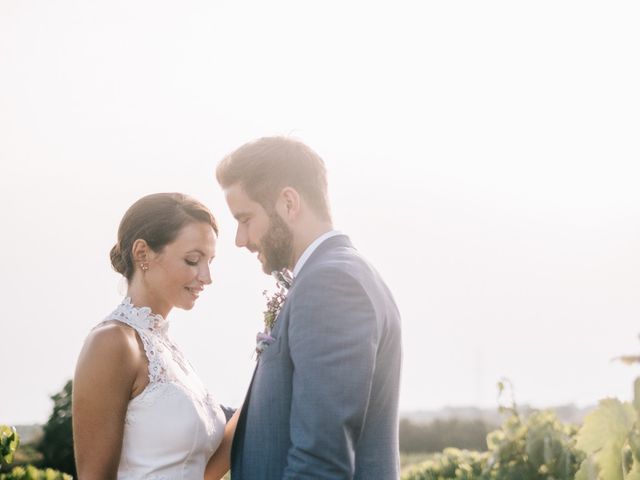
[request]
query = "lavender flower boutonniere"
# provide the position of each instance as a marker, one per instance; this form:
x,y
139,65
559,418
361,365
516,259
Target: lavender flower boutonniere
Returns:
x,y
274,305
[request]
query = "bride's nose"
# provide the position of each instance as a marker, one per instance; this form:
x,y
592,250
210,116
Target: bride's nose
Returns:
x,y
204,275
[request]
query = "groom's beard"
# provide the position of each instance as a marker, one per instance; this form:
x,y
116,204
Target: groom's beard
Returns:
x,y
276,245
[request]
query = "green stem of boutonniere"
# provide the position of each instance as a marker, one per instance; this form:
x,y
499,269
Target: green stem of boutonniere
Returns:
x,y
274,305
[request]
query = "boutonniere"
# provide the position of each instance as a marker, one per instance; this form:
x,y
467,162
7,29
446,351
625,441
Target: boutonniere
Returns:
x,y
274,305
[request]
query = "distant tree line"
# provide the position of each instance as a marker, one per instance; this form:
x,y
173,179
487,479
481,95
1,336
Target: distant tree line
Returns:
x,y
440,434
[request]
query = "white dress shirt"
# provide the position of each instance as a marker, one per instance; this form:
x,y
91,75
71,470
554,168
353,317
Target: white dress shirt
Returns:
x,y
311,248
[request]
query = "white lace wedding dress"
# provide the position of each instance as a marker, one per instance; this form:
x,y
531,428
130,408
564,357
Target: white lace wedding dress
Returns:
x,y
174,425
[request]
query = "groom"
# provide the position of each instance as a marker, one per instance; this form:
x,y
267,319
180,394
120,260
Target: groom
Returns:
x,y
323,401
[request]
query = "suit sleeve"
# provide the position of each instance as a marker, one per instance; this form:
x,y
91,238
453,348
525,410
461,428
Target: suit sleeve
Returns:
x,y
333,337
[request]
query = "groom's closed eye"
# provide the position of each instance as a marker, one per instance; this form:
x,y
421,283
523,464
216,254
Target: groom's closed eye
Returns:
x,y
242,217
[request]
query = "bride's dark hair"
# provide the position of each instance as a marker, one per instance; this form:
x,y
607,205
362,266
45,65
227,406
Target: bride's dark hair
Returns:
x,y
157,219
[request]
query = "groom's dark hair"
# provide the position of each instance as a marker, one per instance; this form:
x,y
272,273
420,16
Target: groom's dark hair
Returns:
x,y
267,165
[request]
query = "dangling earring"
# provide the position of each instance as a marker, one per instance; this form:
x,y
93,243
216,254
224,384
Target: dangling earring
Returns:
x,y
144,266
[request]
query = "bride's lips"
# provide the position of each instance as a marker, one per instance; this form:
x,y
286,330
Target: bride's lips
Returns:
x,y
194,291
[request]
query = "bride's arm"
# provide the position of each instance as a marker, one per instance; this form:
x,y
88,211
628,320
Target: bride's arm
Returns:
x,y
102,385
220,462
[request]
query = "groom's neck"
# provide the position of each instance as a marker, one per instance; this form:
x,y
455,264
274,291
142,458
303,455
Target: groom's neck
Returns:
x,y
304,235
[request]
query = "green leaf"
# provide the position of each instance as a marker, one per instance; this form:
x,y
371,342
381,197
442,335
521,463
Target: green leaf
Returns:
x,y
9,441
634,474
626,456
603,435
636,394
588,470
634,443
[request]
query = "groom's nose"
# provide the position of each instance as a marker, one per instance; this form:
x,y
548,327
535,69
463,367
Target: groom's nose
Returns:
x,y
241,237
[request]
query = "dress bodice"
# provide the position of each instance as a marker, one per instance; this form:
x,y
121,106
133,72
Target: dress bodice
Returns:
x,y
174,425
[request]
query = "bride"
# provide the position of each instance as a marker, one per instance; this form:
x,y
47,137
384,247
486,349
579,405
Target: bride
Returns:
x,y
139,410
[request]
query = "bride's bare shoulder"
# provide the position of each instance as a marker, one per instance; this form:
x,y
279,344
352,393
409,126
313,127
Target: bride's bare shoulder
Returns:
x,y
111,340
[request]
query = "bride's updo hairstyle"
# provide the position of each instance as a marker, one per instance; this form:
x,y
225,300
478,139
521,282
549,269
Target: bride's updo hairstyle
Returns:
x,y
157,219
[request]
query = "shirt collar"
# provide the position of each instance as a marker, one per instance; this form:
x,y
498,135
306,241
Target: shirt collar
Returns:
x,y
311,248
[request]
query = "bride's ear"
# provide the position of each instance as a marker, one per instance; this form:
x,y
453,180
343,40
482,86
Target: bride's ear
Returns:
x,y
140,252
288,203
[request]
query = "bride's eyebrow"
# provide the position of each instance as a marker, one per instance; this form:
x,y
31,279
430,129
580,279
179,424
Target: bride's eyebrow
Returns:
x,y
200,252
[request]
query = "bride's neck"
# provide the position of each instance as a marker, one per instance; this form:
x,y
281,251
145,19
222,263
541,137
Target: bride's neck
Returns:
x,y
141,296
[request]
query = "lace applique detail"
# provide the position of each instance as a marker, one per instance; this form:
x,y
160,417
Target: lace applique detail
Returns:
x,y
140,317
152,329
159,349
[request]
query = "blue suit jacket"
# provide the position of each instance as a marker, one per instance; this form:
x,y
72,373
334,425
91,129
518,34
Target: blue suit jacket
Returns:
x,y
323,401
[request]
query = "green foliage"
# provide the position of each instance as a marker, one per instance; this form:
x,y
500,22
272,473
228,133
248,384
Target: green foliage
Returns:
x,y
538,448
9,441
610,437
408,460
32,473
606,447
57,442
452,463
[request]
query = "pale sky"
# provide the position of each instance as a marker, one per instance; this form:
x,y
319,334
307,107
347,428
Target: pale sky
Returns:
x,y
485,156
